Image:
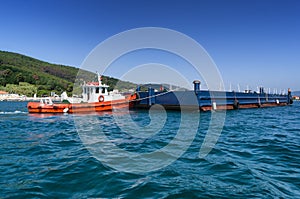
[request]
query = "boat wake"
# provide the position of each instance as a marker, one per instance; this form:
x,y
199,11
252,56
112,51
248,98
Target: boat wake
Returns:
x,y
12,112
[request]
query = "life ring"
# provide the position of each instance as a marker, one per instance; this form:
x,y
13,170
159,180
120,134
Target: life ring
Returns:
x,y
101,98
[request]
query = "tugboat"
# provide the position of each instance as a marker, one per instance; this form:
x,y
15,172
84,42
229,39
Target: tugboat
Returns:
x,y
95,98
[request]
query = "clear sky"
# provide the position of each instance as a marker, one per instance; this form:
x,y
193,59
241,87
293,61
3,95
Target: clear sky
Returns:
x,y
253,42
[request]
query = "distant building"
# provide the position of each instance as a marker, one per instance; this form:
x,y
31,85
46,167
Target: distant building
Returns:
x,y
3,95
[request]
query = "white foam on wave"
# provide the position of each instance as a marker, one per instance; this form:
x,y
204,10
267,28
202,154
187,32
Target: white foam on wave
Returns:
x,y
12,112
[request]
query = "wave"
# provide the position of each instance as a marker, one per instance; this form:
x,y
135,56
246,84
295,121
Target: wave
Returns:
x,y
12,112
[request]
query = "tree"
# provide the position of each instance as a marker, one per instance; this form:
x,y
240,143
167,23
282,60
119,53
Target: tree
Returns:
x,y
36,77
2,81
7,72
70,88
19,77
51,84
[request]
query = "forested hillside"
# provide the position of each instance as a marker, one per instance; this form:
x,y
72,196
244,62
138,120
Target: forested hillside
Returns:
x,y
42,76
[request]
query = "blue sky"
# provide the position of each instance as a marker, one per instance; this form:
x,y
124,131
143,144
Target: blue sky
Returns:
x,y
253,42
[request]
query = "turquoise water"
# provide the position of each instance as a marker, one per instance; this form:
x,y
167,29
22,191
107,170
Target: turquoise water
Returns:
x,y
257,156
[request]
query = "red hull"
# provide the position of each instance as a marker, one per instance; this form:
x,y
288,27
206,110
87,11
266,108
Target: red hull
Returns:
x,y
241,106
37,107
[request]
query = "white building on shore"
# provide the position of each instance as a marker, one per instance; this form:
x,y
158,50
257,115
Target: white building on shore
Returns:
x,y
5,96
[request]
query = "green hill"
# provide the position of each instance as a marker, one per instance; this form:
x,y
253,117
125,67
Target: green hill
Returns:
x,y
17,71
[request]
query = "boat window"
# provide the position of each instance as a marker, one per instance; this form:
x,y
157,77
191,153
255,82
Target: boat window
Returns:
x,y
103,90
84,90
97,90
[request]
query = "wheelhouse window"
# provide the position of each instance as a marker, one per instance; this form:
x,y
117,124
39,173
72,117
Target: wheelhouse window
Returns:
x,y
97,89
103,90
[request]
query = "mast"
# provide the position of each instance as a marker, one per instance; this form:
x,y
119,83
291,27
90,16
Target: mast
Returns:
x,y
99,77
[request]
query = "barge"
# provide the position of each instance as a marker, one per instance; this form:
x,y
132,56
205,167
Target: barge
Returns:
x,y
206,100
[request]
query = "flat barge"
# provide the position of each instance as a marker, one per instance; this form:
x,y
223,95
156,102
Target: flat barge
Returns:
x,y
207,100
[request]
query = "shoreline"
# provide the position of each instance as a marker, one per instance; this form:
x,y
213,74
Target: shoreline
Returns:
x,y
29,99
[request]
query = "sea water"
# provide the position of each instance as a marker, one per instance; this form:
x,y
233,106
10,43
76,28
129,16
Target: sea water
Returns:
x,y
257,155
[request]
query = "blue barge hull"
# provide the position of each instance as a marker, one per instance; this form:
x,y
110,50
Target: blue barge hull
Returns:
x,y
210,100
